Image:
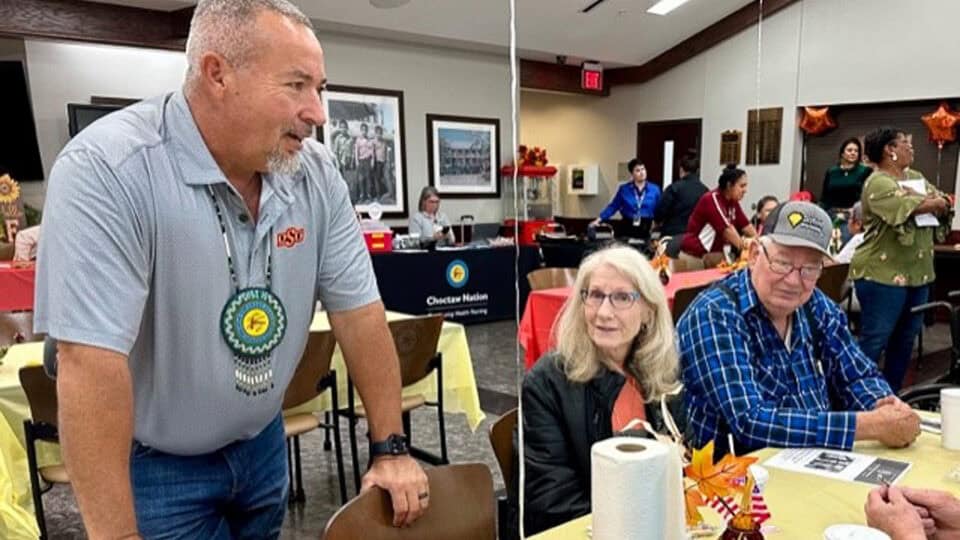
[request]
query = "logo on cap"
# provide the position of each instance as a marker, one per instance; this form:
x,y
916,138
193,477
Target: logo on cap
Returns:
x,y
795,218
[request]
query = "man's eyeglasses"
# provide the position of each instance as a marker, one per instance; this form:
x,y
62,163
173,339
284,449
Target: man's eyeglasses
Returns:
x,y
808,272
619,299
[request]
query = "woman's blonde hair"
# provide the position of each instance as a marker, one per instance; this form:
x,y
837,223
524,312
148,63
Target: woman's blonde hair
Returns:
x,y
654,361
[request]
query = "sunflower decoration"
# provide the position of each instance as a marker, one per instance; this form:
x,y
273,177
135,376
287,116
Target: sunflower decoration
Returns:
x,y
9,190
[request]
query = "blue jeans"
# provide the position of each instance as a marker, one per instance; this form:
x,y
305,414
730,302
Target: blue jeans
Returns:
x,y
888,325
239,491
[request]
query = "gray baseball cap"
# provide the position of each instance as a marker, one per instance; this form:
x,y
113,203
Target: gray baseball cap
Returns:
x,y
800,224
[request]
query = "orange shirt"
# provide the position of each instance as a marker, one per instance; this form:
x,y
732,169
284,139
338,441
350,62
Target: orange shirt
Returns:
x,y
628,406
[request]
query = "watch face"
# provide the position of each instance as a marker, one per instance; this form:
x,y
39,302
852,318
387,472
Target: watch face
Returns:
x,y
398,444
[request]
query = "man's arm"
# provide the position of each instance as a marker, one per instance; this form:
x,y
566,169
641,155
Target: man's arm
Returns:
x,y
96,431
372,362
715,349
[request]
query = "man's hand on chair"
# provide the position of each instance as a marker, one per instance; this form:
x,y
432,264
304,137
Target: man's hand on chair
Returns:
x,y
407,484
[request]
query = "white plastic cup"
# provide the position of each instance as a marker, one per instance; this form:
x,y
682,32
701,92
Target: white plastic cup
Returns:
x,y
950,418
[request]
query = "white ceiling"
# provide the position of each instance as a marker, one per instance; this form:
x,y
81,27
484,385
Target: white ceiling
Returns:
x,y
617,32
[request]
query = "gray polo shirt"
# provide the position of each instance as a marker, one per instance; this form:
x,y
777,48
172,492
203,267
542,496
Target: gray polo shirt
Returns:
x,y
132,260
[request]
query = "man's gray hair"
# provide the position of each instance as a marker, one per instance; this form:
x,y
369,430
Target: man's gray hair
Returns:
x,y
224,26
856,213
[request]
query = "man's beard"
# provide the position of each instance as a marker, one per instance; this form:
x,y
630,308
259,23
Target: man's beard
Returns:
x,y
282,163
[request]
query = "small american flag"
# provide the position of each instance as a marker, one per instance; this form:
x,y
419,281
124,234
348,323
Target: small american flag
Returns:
x,y
760,512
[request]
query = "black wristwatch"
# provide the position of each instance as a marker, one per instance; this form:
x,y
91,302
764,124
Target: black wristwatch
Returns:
x,y
394,445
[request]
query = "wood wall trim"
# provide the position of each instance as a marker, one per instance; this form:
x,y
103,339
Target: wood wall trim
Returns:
x,y
536,75
92,22
560,78
77,20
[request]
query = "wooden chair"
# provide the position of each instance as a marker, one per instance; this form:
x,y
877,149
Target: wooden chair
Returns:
x,y
502,441
832,279
41,393
683,298
17,327
461,507
416,341
551,278
712,260
6,251
312,377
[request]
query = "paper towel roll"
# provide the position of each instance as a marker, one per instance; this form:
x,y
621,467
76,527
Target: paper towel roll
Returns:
x,y
637,490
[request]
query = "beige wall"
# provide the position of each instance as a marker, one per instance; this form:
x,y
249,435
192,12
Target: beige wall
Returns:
x,y
433,81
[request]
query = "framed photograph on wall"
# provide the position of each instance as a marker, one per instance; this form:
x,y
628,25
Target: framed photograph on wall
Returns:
x,y
364,131
463,155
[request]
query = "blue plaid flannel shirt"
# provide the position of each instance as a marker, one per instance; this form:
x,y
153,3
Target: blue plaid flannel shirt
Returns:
x,y
740,378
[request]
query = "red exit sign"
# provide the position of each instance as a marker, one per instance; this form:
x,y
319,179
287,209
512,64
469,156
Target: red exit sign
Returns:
x,y
591,77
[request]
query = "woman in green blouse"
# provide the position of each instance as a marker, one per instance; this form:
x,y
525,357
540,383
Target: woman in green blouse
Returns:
x,y
843,182
893,268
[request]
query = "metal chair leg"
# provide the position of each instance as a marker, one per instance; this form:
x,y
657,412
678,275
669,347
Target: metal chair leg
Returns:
x,y
35,478
352,424
326,432
300,495
337,444
440,419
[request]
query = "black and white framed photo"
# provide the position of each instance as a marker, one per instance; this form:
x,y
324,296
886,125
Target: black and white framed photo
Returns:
x,y
364,130
463,155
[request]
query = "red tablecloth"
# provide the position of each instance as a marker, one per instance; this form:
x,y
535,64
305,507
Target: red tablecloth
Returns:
x,y
544,305
16,287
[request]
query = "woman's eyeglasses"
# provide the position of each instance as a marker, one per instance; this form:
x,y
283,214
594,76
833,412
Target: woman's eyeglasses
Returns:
x,y
619,299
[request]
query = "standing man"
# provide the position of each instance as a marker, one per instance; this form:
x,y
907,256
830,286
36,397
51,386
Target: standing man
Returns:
x,y
380,184
186,240
678,201
363,155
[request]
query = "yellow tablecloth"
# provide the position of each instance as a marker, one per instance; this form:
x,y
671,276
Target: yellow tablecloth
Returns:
x,y
804,505
459,389
459,384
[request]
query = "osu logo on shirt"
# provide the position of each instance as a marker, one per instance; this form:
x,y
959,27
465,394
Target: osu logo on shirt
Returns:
x,y
290,237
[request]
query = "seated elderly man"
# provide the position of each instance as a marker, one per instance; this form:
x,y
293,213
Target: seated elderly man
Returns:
x,y
768,358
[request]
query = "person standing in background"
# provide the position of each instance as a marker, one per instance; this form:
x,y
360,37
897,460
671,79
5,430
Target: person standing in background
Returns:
x,y
636,200
380,184
363,155
678,201
843,183
893,267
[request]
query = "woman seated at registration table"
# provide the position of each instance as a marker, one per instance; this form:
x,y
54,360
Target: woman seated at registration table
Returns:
x,y
430,222
636,200
614,362
718,220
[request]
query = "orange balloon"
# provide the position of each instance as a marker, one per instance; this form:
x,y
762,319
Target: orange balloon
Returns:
x,y
816,120
941,124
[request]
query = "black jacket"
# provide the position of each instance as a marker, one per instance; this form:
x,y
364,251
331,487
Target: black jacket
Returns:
x,y
677,203
561,421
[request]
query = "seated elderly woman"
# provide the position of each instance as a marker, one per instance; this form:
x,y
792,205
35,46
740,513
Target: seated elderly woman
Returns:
x,y
614,362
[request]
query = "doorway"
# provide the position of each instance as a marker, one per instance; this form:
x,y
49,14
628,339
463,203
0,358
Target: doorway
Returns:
x,y
660,145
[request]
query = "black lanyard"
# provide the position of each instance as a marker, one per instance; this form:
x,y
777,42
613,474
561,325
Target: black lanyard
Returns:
x,y
226,246
640,194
